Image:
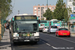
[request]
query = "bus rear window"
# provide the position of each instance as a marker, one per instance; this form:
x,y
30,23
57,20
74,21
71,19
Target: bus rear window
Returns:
x,y
43,21
53,26
55,21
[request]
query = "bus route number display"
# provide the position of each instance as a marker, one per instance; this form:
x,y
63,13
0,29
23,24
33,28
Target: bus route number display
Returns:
x,y
30,17
25,17
18,18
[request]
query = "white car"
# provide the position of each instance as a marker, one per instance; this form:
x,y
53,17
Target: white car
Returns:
x,y
52,29
45,29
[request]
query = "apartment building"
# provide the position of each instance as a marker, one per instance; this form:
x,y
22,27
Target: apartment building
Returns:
x,y
39,10
71,4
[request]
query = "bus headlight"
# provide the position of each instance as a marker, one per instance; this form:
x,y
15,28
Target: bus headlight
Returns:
x,y
15,35
36,34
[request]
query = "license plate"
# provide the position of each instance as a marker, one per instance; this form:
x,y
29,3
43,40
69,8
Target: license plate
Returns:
x,y
26,40
64,33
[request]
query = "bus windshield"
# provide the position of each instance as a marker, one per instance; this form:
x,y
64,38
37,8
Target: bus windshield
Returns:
x,y
26,26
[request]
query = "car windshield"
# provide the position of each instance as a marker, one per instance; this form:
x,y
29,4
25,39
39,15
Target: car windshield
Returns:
x,y
63,29
53,26
26,26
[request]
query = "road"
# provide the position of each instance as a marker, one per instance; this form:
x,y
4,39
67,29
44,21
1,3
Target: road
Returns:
x,y
48,42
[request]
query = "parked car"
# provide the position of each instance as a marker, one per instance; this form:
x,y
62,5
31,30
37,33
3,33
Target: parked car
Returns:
x,y
62,32
52,29
45,29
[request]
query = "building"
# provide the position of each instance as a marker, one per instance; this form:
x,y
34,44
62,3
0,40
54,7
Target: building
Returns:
x,y
40,10
71,4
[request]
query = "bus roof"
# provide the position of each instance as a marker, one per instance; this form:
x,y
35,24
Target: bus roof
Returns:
x,y
53,20
24,15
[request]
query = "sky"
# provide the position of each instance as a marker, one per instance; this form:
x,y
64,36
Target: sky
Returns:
x,y
26,6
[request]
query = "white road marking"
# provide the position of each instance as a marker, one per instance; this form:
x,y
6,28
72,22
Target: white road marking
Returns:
x,y
48,44
59,47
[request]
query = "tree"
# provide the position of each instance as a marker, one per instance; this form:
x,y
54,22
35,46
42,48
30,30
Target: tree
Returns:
x,y
69,12
66,18
48,14
5,8
59,11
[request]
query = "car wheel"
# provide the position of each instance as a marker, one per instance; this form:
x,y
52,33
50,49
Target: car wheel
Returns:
x,y
50,32
69,36
42,30
34,42
57,35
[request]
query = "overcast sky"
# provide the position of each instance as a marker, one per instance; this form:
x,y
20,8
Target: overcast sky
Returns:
x,y
26,6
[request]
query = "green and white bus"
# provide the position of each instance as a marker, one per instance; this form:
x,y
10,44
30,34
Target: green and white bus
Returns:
x,y
55,22
24,28
43,23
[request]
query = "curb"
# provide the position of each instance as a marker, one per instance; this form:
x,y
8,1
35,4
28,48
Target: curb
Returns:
x,y
73,34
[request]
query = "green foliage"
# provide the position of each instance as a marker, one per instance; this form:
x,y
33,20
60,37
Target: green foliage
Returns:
x,y
5,8
66,15
59,11
48,14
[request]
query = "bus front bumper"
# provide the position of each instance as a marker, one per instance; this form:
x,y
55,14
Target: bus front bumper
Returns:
x,y
25,39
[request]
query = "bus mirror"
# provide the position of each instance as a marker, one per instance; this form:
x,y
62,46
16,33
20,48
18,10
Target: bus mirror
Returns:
x,y
38,21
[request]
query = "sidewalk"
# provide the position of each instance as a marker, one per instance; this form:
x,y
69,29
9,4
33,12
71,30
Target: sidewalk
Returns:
x,y
5,42
72,32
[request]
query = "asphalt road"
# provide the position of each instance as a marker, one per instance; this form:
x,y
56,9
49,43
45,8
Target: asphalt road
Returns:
x,y
48,42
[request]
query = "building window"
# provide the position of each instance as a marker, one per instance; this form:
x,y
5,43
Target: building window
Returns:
x,y
74,3
38,7
52,10
46,8
39,14
49,7
52,7
35,8
73,8
38,10
35,14
69,0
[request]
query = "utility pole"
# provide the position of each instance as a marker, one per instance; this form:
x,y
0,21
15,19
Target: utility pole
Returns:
x,y
47,4
18,12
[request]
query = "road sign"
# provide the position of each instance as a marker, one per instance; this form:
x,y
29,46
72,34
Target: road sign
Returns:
x,y
71,15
